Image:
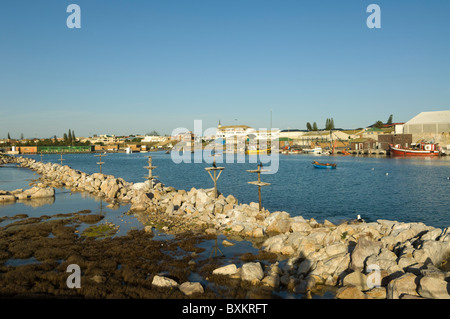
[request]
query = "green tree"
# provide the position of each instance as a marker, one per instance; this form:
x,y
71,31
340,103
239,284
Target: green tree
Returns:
x,y
73,136
390,119
9,137
65,138
329,124
308,126
153,133
314,127
378,124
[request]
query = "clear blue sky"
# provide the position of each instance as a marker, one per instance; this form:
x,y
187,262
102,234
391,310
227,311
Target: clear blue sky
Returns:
x,y
137,66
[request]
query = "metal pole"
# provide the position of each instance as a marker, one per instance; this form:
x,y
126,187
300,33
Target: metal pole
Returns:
x,y
150,168
259,183
259,189
215,177
100,163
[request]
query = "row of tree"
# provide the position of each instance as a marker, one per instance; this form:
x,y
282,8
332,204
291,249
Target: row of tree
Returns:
x,y
329,125
380,124
69,138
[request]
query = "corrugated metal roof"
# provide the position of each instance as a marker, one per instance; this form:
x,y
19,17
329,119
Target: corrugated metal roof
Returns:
x,y
430,117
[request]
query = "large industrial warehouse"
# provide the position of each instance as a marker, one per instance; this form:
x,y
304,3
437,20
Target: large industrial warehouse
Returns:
x,y
430,126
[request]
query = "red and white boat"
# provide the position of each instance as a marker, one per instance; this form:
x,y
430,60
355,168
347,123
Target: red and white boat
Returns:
x,y
421,149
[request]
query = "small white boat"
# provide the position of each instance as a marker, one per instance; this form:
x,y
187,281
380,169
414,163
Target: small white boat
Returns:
x,y
315,150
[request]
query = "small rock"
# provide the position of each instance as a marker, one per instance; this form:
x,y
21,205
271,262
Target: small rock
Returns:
x,y
258,232
272,281
376,293
350,292
237,228
226,270
252,271
227,243
7,198
305,285
210,231
287,250
190,288
356,279
164,282
98,279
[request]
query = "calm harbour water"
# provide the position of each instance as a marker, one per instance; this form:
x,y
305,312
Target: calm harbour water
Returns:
x,y
402,189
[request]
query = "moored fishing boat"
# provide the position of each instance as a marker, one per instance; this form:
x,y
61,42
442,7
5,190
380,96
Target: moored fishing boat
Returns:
x,y
323,165
421,149
257,152
315,150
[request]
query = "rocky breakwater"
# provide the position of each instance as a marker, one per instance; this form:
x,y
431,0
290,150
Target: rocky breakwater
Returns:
x,y
54,175
382,259
37,192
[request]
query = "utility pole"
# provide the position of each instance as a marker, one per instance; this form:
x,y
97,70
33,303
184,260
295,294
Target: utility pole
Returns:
x,y
216,176
150,168
258,182
100,163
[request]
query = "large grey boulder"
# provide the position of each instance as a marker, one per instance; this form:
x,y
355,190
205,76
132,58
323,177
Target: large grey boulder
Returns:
x,y
252,271
357,279
435,288
363,249
404,285
432,251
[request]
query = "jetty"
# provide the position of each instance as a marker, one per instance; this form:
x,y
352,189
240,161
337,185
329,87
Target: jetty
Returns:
x,y
376,260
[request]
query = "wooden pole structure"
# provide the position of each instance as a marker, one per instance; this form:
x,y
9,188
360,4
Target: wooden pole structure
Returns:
x,y
216,176
215,249
61,159
150,168
100,163
41,157
258,182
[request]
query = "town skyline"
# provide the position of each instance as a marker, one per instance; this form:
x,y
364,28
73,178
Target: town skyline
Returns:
x,y
136,67
149,132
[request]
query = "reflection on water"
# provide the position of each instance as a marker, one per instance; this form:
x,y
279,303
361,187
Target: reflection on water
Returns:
x,y
37,202
21,262
67,202
13,177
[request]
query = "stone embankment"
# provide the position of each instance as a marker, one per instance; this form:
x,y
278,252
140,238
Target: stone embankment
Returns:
x,y
377,260
21,195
